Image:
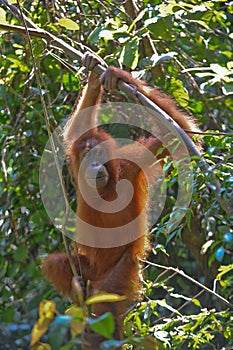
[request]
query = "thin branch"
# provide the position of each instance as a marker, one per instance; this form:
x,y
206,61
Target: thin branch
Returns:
x,y
158,320
210,133
182,273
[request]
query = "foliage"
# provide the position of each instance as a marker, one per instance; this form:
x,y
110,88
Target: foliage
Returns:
x,y
186,48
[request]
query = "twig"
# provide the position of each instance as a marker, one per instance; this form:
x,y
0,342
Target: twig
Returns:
x,y
182,273
210,133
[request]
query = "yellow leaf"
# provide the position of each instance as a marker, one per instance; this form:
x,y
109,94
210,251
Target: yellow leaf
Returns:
x,y
75,311
38,330
196,302
68,24
77,325
105,298
47,310
41,346
76,328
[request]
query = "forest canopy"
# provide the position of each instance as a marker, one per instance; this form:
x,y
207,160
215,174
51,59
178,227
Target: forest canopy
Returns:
x,y
183,47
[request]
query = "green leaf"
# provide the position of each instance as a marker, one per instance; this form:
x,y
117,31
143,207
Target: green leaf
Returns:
x,y
129,55
227,89
68,24
58,330
21,253
94,36
103,325
160,27
179,92
7,315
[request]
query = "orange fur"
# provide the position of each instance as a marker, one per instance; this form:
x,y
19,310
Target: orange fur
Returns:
x,y
114,270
